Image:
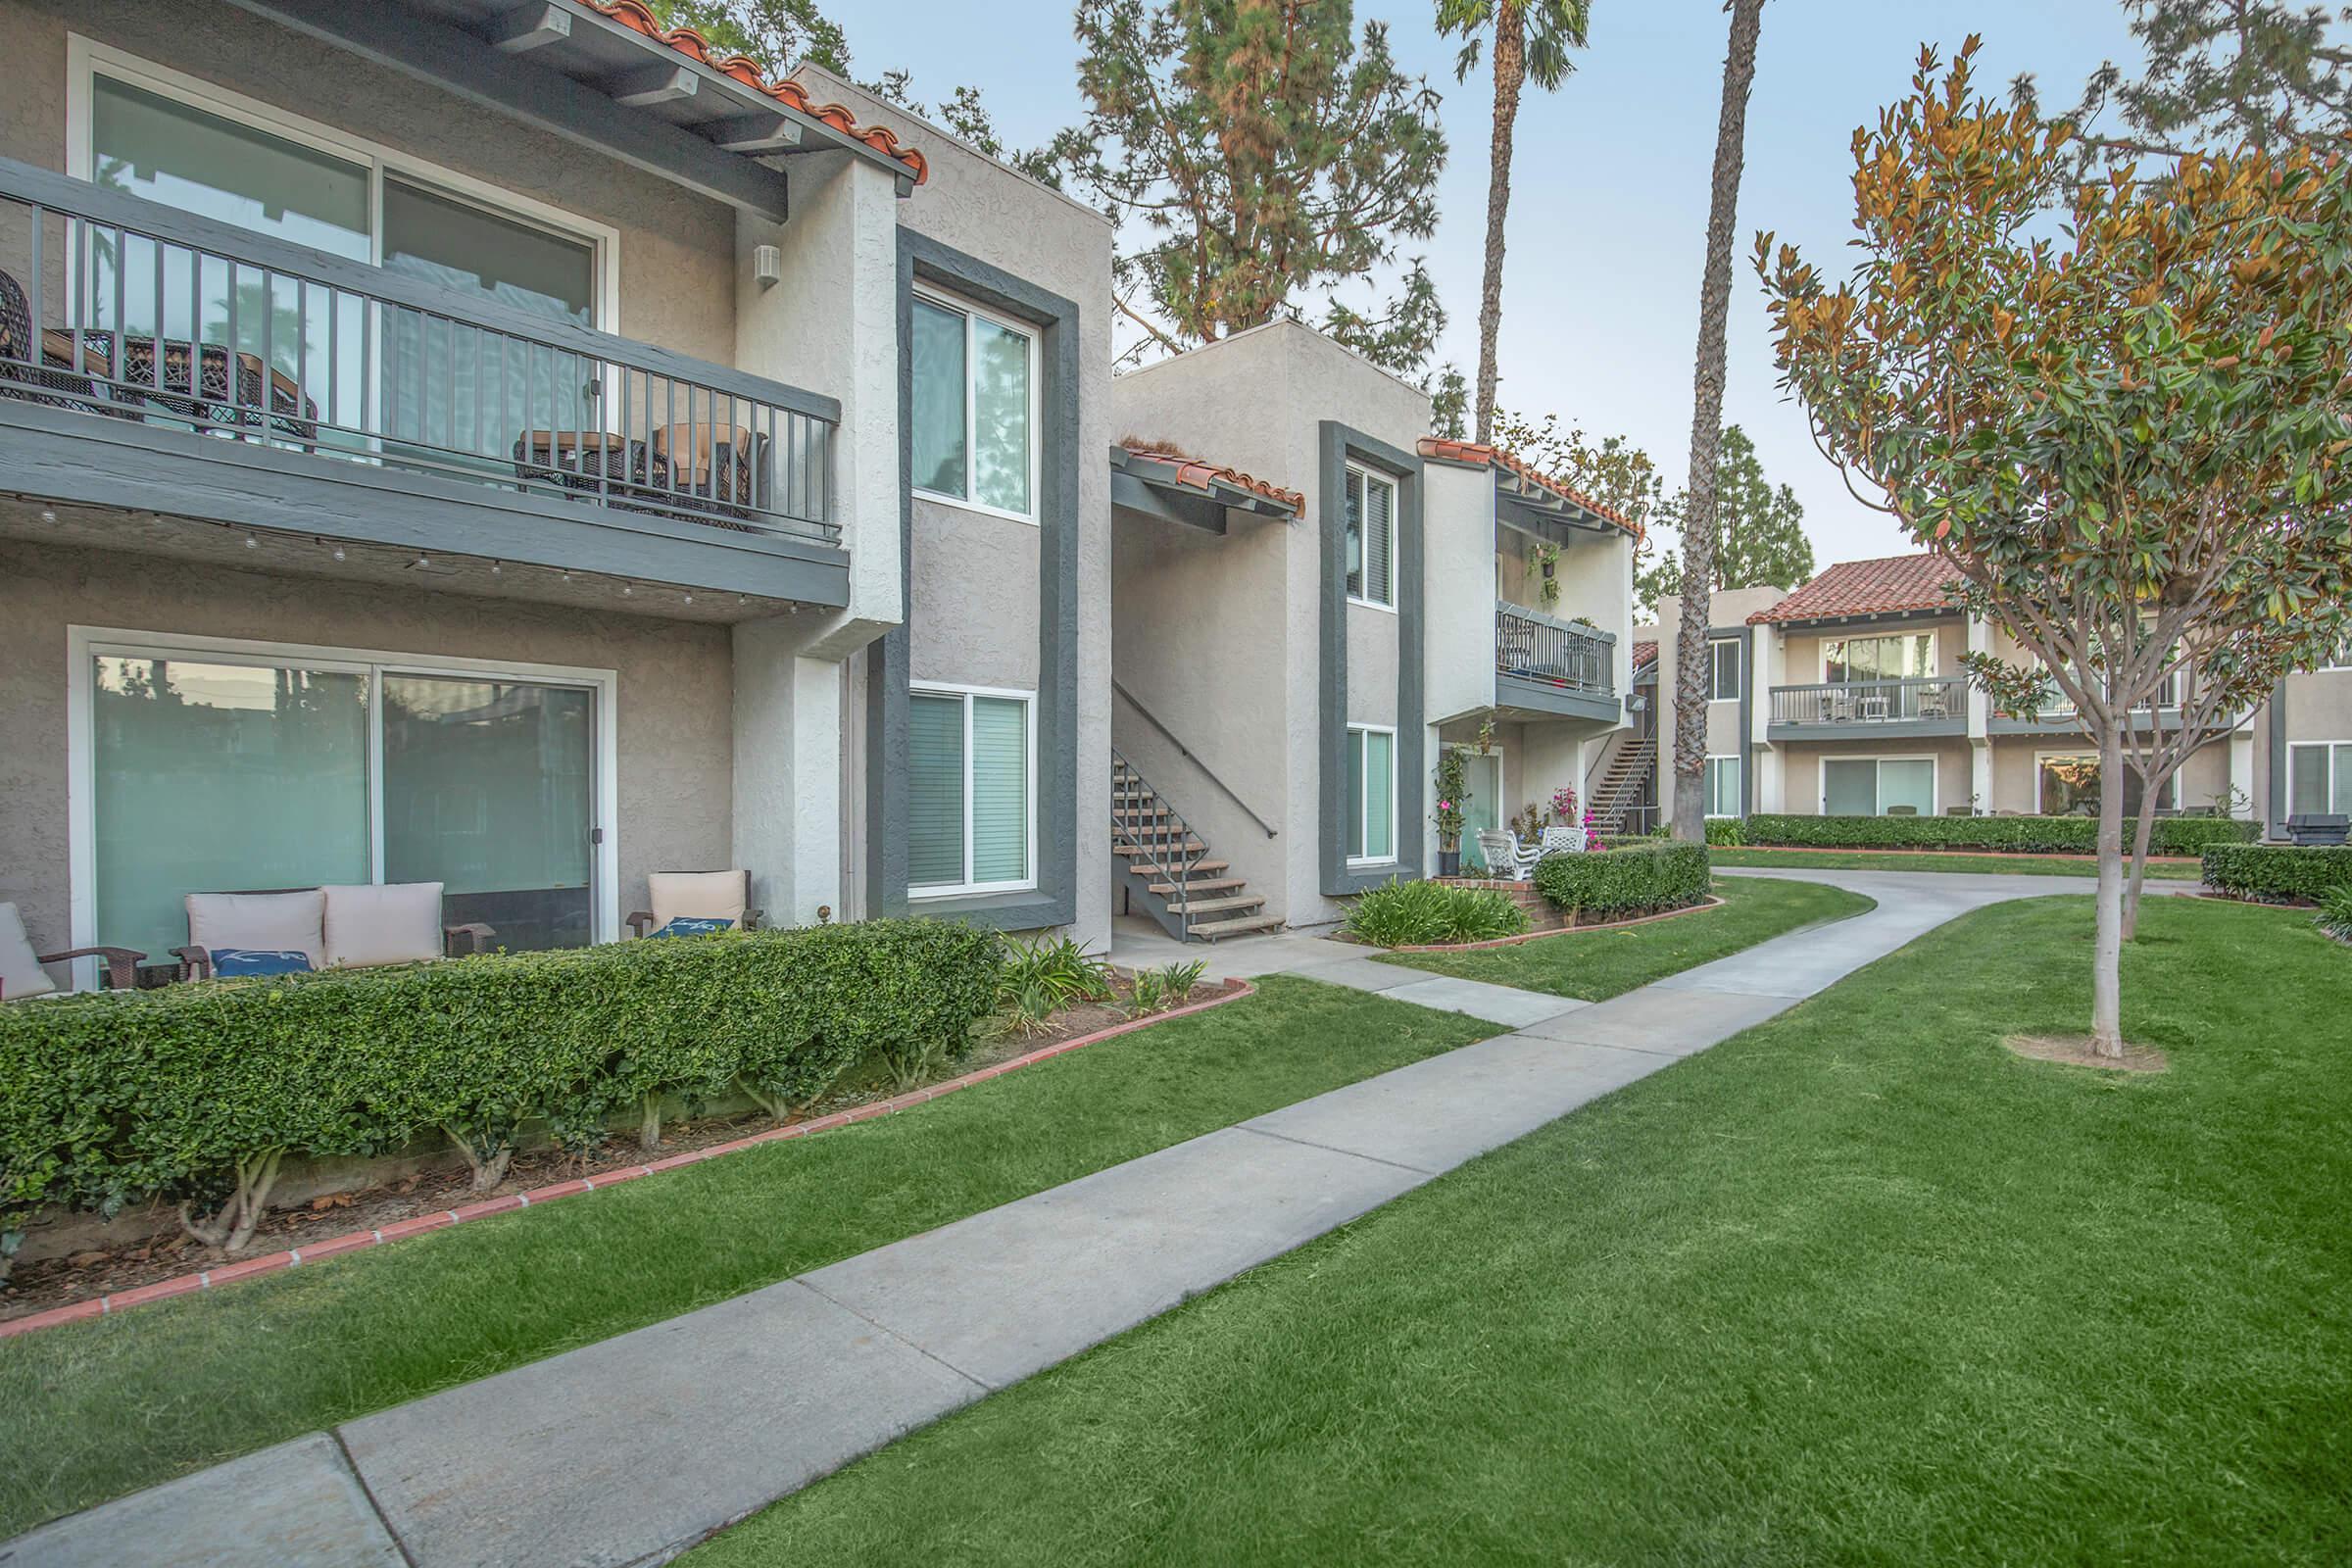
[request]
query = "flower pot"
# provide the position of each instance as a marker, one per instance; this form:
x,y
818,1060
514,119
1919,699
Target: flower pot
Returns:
x,y
1450,862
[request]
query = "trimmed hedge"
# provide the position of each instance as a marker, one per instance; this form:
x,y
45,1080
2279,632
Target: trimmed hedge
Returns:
x,y
193,1091
2029,835
1637,879
2276,873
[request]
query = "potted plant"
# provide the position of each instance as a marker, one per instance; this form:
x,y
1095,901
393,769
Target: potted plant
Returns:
x,y
1548,560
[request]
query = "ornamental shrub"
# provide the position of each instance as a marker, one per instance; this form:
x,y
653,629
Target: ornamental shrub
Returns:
x,y
2027,835
1638,879
1729,832
2277,873
1401,914
193,1091
2335,913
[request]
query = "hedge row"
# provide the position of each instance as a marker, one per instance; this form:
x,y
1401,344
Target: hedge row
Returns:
x,y
1637,879
2032,835
2278,871
194,1092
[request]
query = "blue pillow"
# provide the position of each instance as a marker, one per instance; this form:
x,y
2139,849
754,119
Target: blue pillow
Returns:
x,y
228,961
689,925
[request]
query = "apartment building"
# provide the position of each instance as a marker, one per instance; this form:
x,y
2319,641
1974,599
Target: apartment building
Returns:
x,y
1848,696
523,449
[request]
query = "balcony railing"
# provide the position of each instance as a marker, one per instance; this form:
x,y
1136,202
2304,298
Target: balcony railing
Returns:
x,y
1872,702
1538,647
128,310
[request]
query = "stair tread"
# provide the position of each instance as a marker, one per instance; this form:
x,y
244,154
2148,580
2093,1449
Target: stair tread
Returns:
x,y
1194,846
1198,885
1190,869
1239,901
1213,929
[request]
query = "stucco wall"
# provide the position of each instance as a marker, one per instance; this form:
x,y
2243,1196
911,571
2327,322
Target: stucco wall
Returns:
x,y
1457,519
2319,707
676,248
672,699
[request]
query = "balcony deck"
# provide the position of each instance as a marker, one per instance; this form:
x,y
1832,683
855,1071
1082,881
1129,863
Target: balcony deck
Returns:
x,y
1841,710
1553,668
153,361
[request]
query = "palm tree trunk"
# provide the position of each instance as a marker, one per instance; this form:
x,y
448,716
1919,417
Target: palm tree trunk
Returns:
x,y
1510,73
1706,429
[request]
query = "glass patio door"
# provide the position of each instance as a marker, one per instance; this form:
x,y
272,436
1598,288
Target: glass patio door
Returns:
x,y
1482,806
488,791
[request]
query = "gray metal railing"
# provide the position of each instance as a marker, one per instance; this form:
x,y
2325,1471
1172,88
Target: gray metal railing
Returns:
x,y
1872,702
1165,848
131,310
1536,647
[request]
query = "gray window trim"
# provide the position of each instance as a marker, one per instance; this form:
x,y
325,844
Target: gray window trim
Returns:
x,y
1055,900
1338,446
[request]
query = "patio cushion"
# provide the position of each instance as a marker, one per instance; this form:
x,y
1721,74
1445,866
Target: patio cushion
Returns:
x,y
228,962
398,923
687,925
278,922
697,895
21,971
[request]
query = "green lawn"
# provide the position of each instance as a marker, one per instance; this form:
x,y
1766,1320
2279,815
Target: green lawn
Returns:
x,y
98,1408
1595,965
1856,1287
1939,861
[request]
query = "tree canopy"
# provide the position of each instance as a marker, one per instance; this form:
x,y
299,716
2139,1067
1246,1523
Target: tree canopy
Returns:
x,y
1759,531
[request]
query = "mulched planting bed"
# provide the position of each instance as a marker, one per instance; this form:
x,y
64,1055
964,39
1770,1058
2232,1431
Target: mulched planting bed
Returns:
x,y
164,1252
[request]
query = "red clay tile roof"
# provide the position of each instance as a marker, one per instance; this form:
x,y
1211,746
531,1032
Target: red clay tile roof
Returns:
x,y
1644,655
633,15
1852,588
1433,446
1194,470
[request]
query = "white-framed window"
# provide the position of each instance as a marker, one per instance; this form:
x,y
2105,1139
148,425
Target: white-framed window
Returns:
x,y
1371,538
205,764
971,790
1722,669
2341,659
1371,795
976,407
2066,784
1878,786
1900,656
1722,786
2319,777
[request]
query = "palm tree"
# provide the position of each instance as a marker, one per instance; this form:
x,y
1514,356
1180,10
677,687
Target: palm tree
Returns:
x,y
1532,40
1706,429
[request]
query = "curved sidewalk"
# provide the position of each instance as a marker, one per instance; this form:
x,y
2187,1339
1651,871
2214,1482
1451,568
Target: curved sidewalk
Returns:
x,y
634,1449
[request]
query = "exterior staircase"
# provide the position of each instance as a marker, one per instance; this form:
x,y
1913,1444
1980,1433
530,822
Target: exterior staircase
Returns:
x,y
1165,867
1613,796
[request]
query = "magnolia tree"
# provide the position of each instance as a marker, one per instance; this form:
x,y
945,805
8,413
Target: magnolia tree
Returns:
x,y
2116,408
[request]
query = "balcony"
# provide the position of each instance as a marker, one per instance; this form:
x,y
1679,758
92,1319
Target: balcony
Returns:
x,y
1935,705
154,361
1551,668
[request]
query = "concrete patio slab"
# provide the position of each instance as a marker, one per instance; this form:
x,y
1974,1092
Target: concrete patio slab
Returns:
x,y
1440,1112
1504,1005
1011,1291
295,1504
638,1446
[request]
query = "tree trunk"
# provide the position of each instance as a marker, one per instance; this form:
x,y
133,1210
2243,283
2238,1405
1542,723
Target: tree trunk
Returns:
x,y
1706,430
1510,72
2107,959
2140,836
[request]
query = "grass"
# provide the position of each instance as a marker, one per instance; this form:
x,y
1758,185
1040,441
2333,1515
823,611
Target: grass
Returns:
x,y
1940,861
99,1408
1858,1286
1594,965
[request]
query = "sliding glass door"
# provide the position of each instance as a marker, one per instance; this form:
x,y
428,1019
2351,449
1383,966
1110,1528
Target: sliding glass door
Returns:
x,y
1878,786
227,772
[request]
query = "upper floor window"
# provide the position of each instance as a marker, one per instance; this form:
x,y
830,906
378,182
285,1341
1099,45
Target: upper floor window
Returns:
x,y
975,409
1723,671
1371,537
1905,656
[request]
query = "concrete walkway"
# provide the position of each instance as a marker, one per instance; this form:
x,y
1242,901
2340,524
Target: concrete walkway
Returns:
x,y
630,1450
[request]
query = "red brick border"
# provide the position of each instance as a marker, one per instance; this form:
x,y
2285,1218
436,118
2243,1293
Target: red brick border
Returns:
x,y
1711,902
352,1241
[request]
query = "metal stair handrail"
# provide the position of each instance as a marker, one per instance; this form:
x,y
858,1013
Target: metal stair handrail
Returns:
x,y
1192,757
1150,836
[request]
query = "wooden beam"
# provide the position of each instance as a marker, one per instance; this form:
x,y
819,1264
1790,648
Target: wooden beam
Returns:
x,y
653,84
409,41
527,28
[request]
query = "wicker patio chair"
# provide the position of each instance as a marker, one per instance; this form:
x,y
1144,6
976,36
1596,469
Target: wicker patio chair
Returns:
x,y
18,357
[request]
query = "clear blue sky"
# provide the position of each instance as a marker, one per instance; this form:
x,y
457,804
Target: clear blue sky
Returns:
x,y
1609,203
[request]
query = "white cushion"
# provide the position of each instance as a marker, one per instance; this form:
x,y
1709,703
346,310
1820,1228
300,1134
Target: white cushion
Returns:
x,y
275,923
398,923
700,895
21,971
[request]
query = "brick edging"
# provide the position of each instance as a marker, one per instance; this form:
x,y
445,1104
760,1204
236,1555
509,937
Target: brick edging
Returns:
x,y
1711,902
352,1241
